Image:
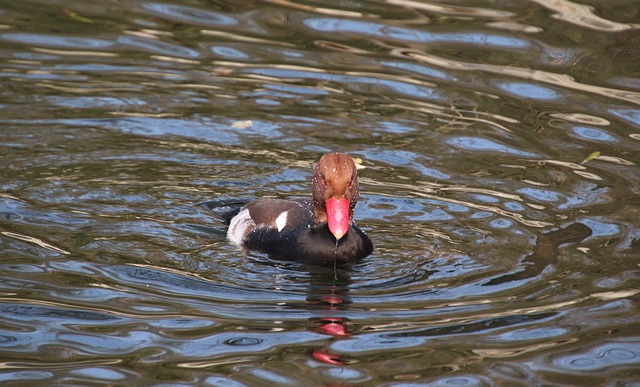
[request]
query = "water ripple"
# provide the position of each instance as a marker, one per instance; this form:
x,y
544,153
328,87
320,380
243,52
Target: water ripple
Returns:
x,y
48,40
185,14
330,25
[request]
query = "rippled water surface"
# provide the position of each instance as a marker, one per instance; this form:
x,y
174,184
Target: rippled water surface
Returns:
x,y
499,142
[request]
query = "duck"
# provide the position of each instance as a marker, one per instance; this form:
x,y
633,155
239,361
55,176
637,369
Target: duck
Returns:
x,y
317,230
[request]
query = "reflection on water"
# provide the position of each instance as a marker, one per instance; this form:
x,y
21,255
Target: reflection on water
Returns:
x,y
545,252
500,183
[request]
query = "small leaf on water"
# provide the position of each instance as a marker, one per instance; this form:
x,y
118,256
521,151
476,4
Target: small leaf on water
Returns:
x,y
592,156
358,162
77,17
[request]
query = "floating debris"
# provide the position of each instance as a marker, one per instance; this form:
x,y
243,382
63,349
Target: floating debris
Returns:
x,y
242,124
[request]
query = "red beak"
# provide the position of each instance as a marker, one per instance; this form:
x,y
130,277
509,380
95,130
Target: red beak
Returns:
x,y
338,216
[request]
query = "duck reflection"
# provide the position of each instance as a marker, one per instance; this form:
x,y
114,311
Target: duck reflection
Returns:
x,y
328,292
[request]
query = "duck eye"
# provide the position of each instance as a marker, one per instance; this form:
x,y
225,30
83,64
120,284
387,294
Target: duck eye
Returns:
x,y
324,182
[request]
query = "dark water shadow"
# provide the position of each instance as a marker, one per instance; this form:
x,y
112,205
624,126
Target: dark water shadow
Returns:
x,y
545,252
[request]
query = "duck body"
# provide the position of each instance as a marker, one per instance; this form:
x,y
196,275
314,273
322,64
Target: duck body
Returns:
x,y
320,230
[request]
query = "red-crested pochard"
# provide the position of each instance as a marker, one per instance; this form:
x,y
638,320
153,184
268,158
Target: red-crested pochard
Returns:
x,y
320,230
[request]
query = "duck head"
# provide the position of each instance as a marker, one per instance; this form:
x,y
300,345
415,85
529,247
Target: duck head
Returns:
x,y
335,192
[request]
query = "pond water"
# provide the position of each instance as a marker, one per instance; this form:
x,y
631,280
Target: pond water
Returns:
x,y
500,184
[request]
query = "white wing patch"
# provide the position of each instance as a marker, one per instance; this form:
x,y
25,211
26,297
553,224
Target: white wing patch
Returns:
x,y
240,226
281,220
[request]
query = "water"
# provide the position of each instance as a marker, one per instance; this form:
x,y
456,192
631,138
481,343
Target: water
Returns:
x,y
500,187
